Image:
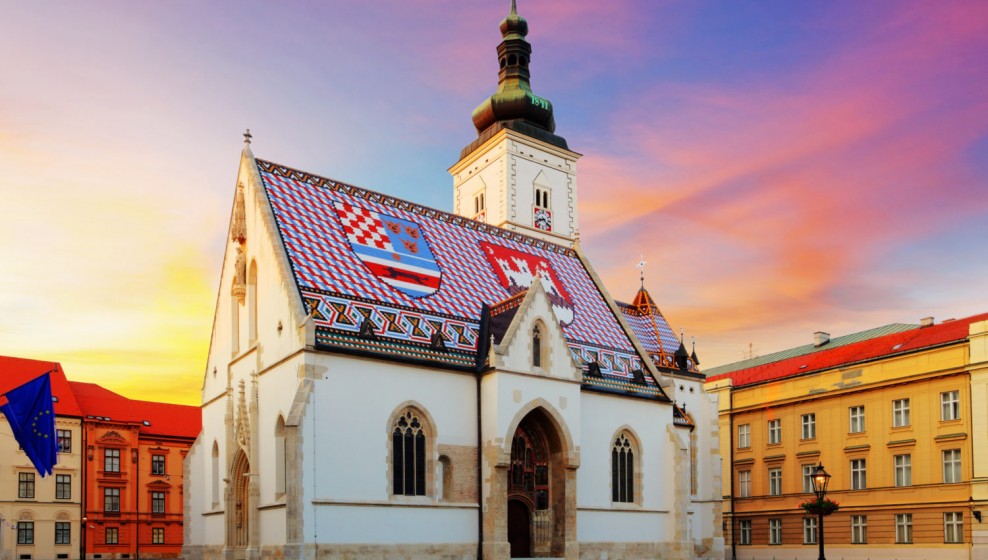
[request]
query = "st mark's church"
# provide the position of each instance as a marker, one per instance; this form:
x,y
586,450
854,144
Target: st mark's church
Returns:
x,y
387,380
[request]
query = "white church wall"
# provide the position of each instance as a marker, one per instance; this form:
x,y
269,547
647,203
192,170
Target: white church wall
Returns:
x,y
528,159
595,526
395,525
506,395
483,173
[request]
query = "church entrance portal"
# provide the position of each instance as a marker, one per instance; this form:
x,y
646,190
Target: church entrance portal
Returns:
x,y
535,489
237,535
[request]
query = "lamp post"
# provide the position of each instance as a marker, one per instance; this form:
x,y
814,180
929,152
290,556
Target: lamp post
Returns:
x,y
820,481
82,538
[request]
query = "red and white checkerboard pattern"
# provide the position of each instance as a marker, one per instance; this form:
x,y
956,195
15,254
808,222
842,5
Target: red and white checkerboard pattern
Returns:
x,y
363,226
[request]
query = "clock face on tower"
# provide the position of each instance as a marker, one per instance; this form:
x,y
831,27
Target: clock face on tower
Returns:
x,y
542,219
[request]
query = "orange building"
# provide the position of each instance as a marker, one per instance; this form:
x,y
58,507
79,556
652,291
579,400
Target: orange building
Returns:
x,y
132,503
890,413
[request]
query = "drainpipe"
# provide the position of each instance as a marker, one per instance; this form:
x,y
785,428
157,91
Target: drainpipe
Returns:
x,y
137,502
730,415
483,351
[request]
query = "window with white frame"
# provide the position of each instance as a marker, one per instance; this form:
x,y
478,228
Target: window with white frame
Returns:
x,y
809,426
808,471
950,406
25,485
774,431
744,484
775,481
744,531
859,529
774,531
859,477
900,413
111,500
903,470
953,527
111,460
111,535
809,530
857,419
64,440
952,466
903,528
744,436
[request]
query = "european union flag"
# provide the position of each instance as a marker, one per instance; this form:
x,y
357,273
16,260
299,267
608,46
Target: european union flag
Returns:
x,y
31,417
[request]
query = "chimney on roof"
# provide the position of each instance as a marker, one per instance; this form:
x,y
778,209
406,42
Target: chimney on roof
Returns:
x,y
926,321
820,338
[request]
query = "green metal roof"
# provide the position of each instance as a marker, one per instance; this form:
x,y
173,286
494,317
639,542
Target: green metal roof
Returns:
x,y
809,348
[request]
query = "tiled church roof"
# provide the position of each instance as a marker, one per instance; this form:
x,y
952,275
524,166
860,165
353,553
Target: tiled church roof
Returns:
x,y
654,332
405,271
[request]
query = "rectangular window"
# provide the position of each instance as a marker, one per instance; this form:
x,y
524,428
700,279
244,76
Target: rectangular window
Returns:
x,y
744,436
859,479
903,528
157,464
809,426
157,502
63,532
744,531
111,460
744,484
900,413
775,431
952,466
25,485
808,478
63,487
950,405
157,535
111,536
859,529
809,530
774,531
64,441
953,527
111,500
857,420
25,532
775,481
903,470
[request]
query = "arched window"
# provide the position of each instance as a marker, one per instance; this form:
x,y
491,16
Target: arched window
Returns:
x,y
252,301
538,197
279,456
215,475
537,346
623,469
408,455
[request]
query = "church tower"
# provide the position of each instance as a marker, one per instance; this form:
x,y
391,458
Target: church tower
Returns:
x,y
518,174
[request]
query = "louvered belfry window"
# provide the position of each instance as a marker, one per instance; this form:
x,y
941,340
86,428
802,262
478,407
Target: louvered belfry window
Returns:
x,y
408,455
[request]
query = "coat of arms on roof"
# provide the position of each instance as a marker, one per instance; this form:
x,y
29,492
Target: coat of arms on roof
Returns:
x,y
393,249
516,271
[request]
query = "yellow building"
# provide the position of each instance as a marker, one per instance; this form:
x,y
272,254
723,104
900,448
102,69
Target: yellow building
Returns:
x,y
889,414
39,517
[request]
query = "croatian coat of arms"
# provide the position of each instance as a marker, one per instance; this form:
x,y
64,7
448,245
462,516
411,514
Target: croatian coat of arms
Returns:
x,y
517,271
393,249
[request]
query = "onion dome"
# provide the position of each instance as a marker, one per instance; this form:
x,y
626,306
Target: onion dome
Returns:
x,y
514,105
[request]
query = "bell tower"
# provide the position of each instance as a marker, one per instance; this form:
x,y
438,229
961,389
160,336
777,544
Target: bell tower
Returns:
x,y
518,174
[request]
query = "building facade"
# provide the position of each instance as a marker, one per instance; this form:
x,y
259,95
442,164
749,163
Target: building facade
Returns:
x,y
386,379
134,452
39,517
892,414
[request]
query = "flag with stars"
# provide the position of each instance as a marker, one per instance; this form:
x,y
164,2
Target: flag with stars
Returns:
x,y
31,416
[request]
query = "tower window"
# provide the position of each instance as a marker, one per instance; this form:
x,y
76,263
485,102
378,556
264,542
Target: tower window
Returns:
x,y
512,60
523,61
503,62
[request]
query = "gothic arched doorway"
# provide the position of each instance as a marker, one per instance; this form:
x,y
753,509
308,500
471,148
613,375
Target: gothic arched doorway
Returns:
x,y
536,489
237,533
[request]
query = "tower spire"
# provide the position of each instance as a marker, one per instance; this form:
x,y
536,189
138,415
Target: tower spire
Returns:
x,y
514,105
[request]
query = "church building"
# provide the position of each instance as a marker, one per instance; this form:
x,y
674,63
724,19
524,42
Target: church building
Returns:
x,y
390,380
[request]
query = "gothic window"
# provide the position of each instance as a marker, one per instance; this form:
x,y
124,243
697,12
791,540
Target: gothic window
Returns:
x,y
408,455
252,302
215,475
537,346
279,456
623,469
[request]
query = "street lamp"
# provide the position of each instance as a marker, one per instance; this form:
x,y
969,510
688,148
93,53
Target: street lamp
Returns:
x,y
820,481
82,538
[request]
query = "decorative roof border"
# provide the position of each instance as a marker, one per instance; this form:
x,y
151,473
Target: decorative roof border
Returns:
x,y
316,180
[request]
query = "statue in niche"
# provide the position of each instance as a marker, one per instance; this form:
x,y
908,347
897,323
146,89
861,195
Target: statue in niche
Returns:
x,y
240,276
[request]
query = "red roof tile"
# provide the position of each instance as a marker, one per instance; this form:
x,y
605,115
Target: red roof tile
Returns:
x,y
164,418
15,372
875,348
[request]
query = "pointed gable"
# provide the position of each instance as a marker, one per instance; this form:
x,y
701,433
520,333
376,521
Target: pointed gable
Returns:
x,y
408,271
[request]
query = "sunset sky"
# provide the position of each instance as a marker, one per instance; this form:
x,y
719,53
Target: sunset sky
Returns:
x,y
784,167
